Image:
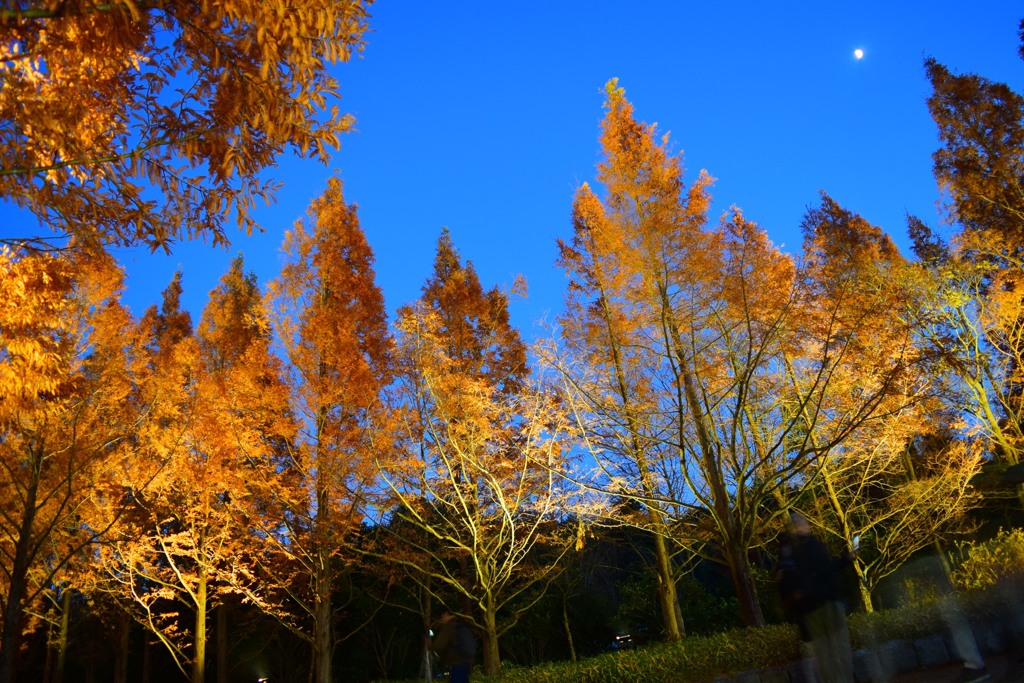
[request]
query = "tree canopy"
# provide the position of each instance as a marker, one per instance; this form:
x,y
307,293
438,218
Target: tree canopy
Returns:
x,y
126,123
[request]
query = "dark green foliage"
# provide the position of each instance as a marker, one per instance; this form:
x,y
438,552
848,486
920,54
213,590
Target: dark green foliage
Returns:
x,y
702,658
694,659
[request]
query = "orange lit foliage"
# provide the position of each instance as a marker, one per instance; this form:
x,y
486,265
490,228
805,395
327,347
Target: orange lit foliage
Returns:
x,y
858,304
102,100
153,558
699,356
679,336
647,208
899,480
475,489
183,537
977,315
64,411
329,315
981,162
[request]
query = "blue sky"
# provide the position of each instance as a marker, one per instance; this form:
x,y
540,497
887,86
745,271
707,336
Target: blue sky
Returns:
x,y
483,117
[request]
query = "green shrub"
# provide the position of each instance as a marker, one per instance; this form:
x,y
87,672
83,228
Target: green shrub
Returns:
x,y
697,658
914,621
702,658
996,561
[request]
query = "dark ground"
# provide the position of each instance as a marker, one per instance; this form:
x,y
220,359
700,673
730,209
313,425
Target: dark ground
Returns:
x,y
1005,668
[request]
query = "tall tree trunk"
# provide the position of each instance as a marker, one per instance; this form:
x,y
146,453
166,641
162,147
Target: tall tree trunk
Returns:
x,y
62,638
48,662
124,631
223,667
711,457
10,637
322,646
671,618
668,601
746,591
199,660
492,655
565,624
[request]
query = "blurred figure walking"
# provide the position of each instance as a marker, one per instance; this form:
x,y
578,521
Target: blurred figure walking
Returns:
x,y
456,646
812,577
794,603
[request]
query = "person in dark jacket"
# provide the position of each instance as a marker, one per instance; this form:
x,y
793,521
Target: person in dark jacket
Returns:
x,y
817,590
791,595
455,645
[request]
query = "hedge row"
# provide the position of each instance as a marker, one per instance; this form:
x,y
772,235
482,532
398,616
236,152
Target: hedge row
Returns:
x,y
702,658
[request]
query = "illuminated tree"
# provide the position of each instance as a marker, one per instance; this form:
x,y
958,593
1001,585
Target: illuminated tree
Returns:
x,y
330,318
181,540
901,479
974,317
969,320
981,162
249,426
704,356
104,102
65,413
608,372
475,486
899,484
644,314
155,555
863,302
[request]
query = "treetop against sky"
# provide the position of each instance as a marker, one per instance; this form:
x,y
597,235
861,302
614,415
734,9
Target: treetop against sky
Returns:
x,y
484,119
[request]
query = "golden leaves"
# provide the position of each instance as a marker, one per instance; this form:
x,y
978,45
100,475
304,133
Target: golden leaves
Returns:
x,y
34,303
105,102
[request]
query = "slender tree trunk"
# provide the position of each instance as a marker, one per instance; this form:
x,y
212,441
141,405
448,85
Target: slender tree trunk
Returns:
x,y
48,662
323,646
734,551
11,635
62,638
746,591
124,631
862,586
199,661
12,622
492,655
565,624
668,601
710,456
322,649
671,619
223,667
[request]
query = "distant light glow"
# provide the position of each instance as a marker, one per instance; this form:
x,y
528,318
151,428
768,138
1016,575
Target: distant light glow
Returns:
x,y
858,53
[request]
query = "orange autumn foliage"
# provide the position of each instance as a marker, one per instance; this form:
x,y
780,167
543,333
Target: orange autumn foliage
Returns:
x,y
474,492
704,360
105,102
66,349
329,315
211,461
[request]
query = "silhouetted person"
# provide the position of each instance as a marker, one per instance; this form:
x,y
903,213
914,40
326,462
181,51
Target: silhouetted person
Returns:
x,y
794,602
953,615
456,646
815,587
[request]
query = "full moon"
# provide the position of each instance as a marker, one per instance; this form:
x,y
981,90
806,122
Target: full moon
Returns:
x,y
858,53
